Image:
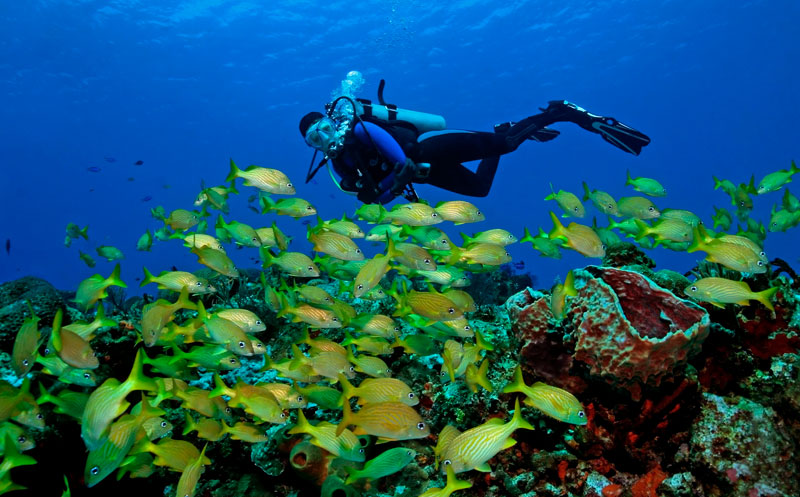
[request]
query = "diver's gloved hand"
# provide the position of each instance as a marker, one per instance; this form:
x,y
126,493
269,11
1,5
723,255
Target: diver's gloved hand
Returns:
x,y
614,132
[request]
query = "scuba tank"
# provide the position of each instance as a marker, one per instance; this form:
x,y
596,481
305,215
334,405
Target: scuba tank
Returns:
x,y
381,111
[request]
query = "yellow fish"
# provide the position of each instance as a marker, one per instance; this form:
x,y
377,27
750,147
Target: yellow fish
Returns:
x,y
386,420
200,240
555,402
291,263
719,291
638,207
241,233
569,203
648,186
582,239
225,332
263,178
415,257
94,288
216,260
156,315
293,207
335,245
372,390
73,349
23,355
187,484
604,202
246,320
459,212
327,436
182,220
431,305
496,236
675,230
176,280
487,254
371,273
173,454
472,448
732,255
453,485
314,316
558,297
413,214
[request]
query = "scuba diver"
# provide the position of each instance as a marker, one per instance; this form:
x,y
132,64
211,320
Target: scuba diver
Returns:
x,y
379,150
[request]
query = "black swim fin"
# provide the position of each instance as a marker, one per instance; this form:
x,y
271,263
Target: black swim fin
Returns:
x,y
614,132
531,128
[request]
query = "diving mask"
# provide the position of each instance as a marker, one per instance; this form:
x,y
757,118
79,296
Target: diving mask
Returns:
x,y
324,136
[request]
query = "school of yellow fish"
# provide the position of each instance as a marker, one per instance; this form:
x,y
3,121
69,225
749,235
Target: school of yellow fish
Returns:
x,y
430,318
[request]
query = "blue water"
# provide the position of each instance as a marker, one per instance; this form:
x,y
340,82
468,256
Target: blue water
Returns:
x,y
184,86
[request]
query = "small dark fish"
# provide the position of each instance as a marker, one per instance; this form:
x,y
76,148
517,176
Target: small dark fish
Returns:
x,y
138,163
174,268
131,178
147,198
91,189
519,265
8,246
93,169
306,222
110,159
254,209
166,187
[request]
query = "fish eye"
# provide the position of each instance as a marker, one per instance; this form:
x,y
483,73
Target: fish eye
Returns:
x,y
199,283
352,369
575,208
759,263
228,410
409,452
95,470
360,451
426,261
581,414
450,310
241,345
258,322
762,254
421,426
610,206
87,375
47,351
693,288
288,185
467,327
308,207
310,268
163,424
283,415
360,287
335,319
434,215
651,208
254,239
39,416
447,462
410,395
358,251
299,398
25,362
21,439
603,246
232,360
478,213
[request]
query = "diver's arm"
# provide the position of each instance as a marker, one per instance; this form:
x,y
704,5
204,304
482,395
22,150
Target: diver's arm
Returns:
x,y
403,169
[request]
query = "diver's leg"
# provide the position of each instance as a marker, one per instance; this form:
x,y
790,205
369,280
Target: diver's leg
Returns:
x,y
455,146
456,178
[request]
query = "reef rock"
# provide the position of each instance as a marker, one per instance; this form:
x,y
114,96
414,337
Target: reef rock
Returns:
x,y
14,295
628,330
744,447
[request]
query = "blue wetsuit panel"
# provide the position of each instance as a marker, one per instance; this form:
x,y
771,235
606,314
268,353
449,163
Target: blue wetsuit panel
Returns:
x,y
387,146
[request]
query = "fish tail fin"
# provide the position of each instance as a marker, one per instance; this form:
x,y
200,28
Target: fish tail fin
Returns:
x,y
481,342
717,182
220,388
285,306
189,424
558,228
552,195
697,241
453,483
391,250
586,192
466,238
233,174
765,296
302,425
348,390
382,214
526,237
517,383
518,420
267,204
136,379
628,179
482,378
644,229
569,284
100,317
148,277
347,417
184,302
45,396
792,169
12,458
114,279
353,475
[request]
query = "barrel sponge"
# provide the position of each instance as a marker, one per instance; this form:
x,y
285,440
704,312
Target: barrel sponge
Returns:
x,y
629,330
14,295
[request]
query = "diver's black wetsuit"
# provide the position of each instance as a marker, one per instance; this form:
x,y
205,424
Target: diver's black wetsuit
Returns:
x,y
373,157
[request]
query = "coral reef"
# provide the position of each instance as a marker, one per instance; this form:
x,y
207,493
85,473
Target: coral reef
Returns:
x,y
14,298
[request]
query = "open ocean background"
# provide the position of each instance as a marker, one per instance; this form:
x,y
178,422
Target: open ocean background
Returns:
x,y
184,86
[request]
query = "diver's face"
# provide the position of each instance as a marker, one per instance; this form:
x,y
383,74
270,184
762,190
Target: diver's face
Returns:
x,y
321,134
